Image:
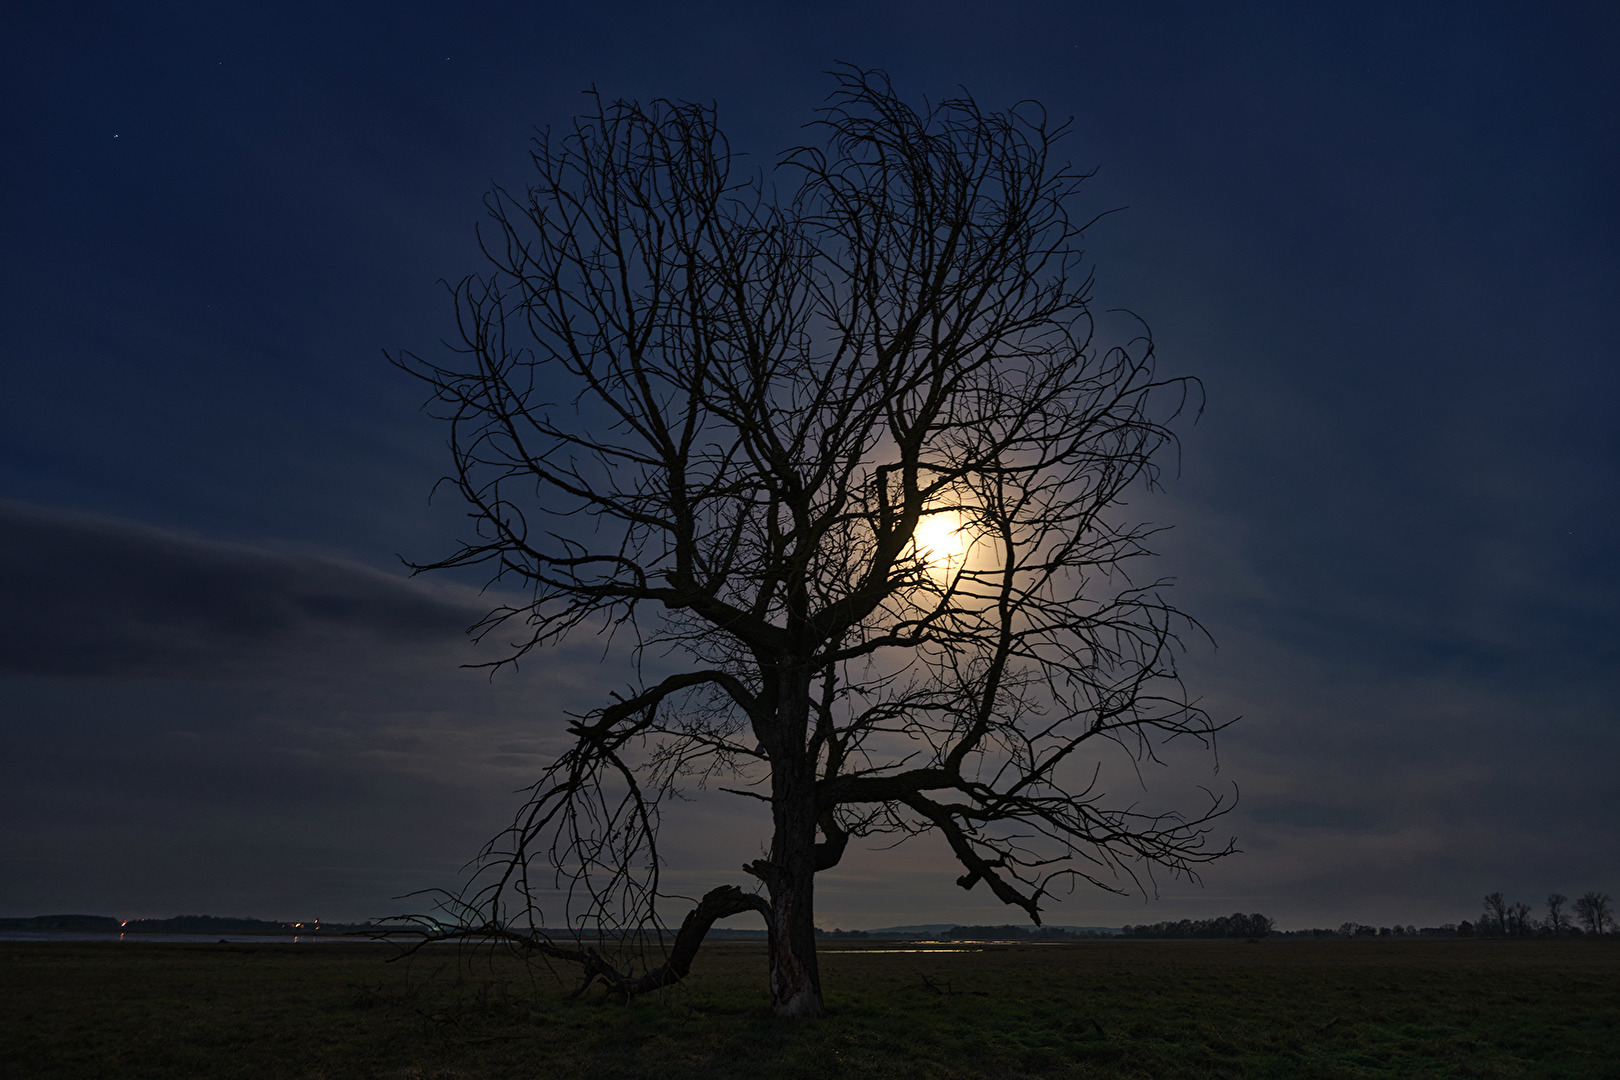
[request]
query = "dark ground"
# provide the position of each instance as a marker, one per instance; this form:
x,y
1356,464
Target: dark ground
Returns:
x,y
1093,1009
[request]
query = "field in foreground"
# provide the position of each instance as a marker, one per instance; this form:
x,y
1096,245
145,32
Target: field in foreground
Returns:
x,y
1092,1009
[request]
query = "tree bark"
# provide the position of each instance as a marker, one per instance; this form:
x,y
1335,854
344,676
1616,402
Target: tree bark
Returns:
x,y
795,977
716,904
790,872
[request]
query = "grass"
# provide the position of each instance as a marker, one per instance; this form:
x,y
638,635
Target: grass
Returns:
x,y
1093,1009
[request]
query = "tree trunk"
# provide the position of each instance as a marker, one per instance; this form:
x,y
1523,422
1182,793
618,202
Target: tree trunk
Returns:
x,y
790,873
795,978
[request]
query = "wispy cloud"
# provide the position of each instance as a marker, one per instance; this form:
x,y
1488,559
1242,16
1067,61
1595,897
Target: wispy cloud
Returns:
x,y
92,596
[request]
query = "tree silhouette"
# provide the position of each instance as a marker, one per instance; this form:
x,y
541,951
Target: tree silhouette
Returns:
x,y
850,461
1495,918
1557,921
1595,912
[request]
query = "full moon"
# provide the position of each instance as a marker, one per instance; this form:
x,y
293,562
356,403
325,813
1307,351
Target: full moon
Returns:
x,y
939,539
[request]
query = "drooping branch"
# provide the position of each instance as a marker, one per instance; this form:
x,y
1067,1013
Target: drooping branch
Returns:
x,y
719,903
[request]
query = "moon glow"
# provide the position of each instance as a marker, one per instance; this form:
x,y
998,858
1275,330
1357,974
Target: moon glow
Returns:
x,y
940,540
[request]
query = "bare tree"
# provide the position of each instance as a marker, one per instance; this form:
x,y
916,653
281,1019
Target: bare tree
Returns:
x,y
1557,921
1494,920
852,463
1518,920
1595,912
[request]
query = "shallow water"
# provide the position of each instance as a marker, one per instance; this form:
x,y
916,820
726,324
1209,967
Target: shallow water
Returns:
x,y
873,952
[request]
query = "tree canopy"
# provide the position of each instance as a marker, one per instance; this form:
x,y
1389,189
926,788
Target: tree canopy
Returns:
x,y
837,442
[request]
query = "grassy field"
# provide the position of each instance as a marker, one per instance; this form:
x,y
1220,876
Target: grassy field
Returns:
x,y
1092,1009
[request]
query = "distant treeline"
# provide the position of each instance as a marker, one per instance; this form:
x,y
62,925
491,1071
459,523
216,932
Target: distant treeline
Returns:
x,y
1235,925
64,923
1590,915
180,924
1017,933
214,924
1355,929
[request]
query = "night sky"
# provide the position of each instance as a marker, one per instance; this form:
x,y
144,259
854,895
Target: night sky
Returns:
x,y
1385,236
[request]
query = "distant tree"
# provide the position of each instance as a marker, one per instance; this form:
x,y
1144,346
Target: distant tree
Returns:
x,y
1494,921
1595,912
851,466
1557,921
1518,920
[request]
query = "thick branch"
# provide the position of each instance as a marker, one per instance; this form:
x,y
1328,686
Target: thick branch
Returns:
x,y
717,904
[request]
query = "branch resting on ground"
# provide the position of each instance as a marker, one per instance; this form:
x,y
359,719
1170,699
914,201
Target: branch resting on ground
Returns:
x,y
716,904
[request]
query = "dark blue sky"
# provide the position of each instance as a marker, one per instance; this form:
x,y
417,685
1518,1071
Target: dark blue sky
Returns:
x,y
1385,236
